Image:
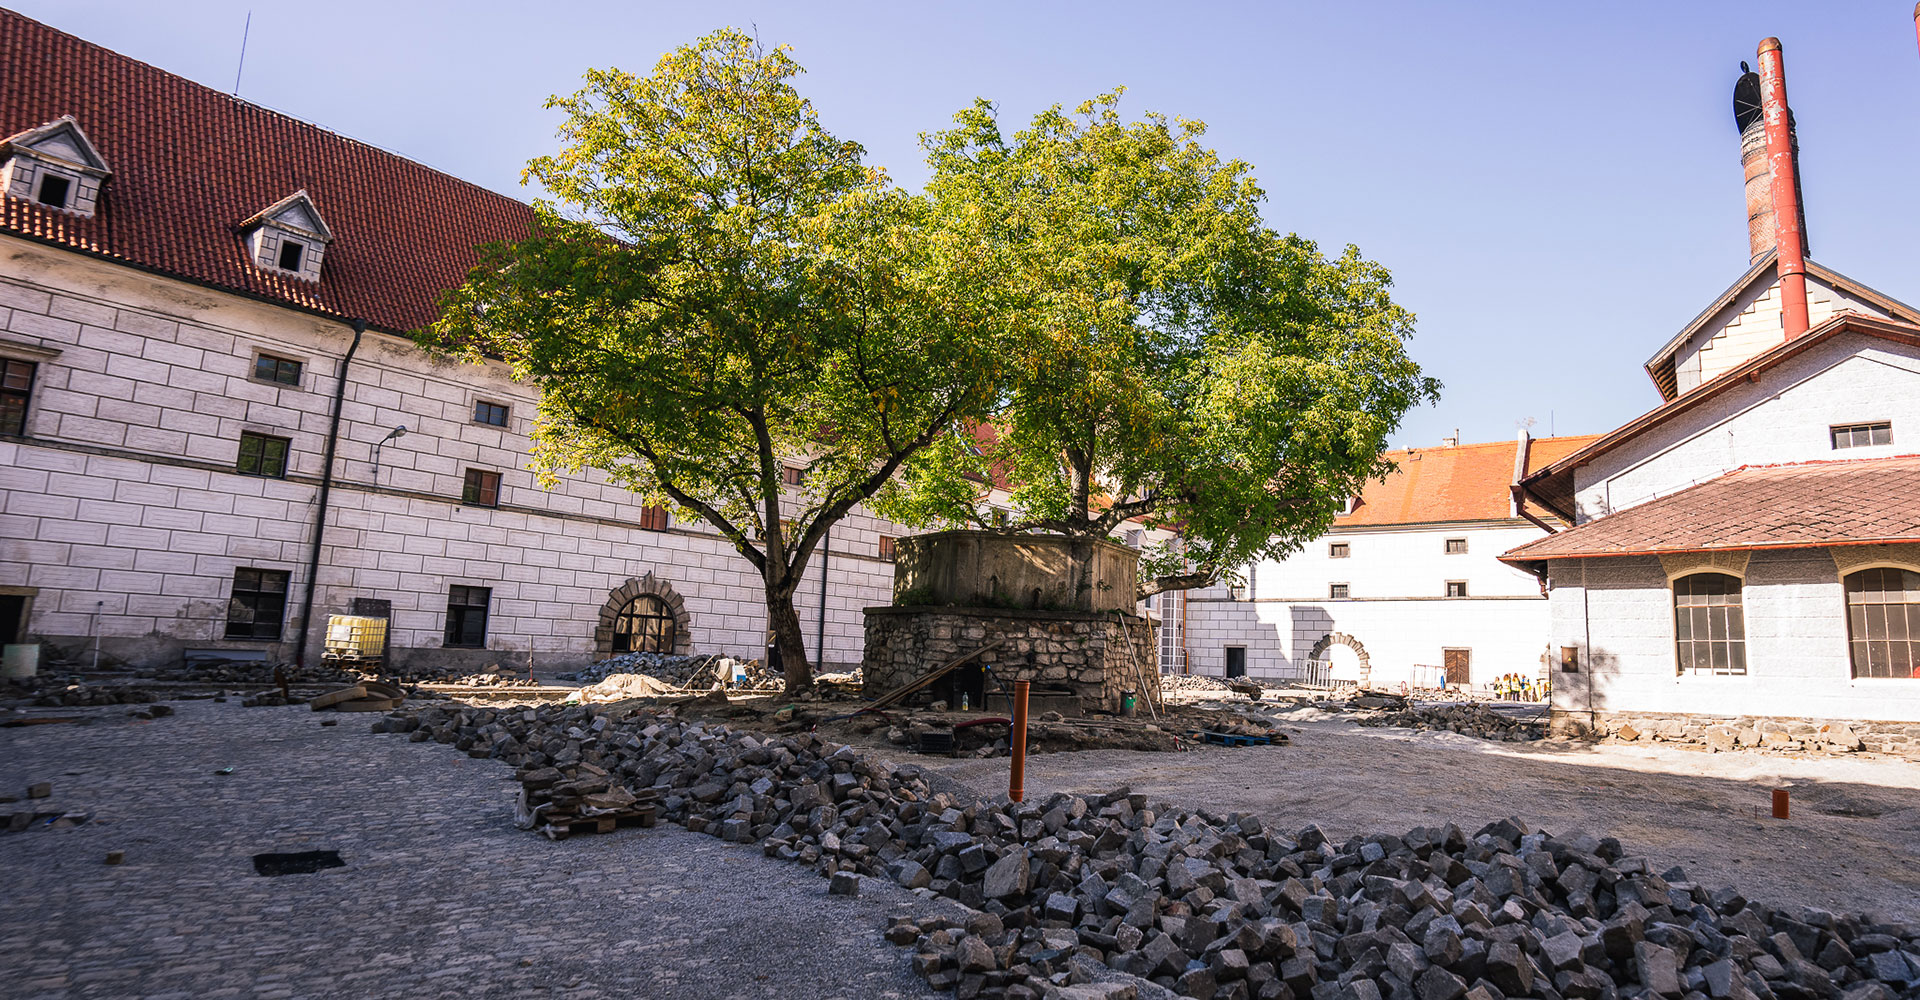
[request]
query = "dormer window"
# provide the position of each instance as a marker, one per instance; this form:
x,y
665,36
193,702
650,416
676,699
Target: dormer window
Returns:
x,y
288,237
54,166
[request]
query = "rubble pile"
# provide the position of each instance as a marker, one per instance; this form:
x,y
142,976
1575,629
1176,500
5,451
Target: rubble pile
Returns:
x,y
1075,891
493,680
252,672
1469,720
581,799
1193,682
78,695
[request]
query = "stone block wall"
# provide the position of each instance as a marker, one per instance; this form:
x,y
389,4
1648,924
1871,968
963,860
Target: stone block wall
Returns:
x,y
1739,732
1093,656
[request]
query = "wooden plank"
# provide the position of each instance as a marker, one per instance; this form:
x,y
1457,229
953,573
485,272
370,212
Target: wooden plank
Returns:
x,y
906,689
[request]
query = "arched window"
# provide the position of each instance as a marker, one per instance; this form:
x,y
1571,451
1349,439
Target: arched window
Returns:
x,y
645,625
1883,622
1710,634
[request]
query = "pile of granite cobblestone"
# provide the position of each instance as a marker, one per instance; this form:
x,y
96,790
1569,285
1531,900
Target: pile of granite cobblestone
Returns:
x,y
1469,720
1114,895
702,671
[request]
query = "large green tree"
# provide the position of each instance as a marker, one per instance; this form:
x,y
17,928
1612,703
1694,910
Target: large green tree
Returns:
x,y
1169,357
716,287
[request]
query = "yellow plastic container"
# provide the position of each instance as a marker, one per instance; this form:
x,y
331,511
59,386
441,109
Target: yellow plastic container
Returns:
x,y
353,637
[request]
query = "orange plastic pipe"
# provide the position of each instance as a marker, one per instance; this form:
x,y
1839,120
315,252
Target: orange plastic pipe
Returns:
x,y
1017,742
1779,803
1791,262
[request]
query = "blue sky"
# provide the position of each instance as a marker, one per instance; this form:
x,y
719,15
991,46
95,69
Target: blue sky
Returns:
x,y
1556,187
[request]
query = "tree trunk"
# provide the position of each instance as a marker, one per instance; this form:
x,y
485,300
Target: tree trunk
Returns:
x,y
784,622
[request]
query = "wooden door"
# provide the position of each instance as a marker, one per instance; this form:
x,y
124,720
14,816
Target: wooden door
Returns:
x,y
1456,661
1236,661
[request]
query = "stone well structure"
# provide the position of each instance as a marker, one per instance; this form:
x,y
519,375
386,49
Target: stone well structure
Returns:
x,y
1062,609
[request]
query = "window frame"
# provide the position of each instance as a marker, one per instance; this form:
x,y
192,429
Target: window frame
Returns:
x,y
253,626
286,455
480,488
459,615
886,547
1910,639
299,369
1339,591
1686,648
793,475
653,518
1339,550
1448,547
506,413
1449,591
1869,427
25,396
67,186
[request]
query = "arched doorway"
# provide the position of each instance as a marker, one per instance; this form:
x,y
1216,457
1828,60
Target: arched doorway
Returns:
x,y
643,615
645,625
1358,670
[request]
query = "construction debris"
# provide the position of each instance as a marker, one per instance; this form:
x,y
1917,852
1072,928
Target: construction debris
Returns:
x,y
366,696
1468,720
620,687
583,798
48,692
1104,895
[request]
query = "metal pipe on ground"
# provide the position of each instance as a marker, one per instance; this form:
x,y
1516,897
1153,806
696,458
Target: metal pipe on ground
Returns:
x,y
1017,743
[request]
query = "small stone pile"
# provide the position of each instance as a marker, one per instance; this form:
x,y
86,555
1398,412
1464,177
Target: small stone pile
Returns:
x,y
86,695
1072,891
1198,683
493,680
1721,736
1468,720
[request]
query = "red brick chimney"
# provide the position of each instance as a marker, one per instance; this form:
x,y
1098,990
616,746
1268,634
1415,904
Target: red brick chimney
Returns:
x,y
1783,164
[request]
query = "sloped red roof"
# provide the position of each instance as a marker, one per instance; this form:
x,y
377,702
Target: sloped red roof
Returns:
x,y
190,163
1469,482
1860,502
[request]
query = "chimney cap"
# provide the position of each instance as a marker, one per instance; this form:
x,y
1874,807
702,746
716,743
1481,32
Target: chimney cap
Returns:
x,y
1770,43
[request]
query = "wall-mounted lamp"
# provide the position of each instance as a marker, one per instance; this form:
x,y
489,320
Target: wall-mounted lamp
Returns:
x,y
392,434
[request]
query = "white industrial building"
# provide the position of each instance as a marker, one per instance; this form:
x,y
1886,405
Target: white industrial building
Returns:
x,y
1750,549
1407,588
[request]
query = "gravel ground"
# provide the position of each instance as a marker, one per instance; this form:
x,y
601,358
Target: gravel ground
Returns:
x,y
1853,842
440,896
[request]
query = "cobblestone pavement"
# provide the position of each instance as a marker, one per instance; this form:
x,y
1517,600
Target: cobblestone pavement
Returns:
x,y
440,895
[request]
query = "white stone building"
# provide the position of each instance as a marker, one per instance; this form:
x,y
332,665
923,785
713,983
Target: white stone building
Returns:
x,y
1407,587
181,274
1748,553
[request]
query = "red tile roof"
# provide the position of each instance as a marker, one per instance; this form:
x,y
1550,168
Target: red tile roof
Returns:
x,y
190,163
1469,482
1859,502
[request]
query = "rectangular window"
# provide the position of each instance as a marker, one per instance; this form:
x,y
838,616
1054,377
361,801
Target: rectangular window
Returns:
x,y
261,455
886,546
490,413
291,253
1133,537
1709,627
1456,546
467,616
1337,591
482,488
1861,435
1338,550
53,190
1236,591
653,518
792,475
259,603
268,368
1456,588
16,391
1569,659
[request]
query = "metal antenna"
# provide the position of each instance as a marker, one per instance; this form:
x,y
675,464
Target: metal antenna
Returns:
x,y
244,32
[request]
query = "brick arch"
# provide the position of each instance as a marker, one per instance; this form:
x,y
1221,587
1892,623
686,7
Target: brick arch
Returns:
x,y
1342,639
624,594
